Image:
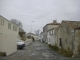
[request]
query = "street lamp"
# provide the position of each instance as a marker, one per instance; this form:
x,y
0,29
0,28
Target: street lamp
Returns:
x,y
31,27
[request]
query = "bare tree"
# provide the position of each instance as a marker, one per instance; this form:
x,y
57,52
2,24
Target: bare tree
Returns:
x,y
16,22
37,32
22,33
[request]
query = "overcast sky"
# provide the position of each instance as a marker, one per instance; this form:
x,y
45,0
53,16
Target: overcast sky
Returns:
x,y
39,11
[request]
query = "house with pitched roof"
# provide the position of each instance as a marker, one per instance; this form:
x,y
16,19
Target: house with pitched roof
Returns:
x,y
47,27
70,36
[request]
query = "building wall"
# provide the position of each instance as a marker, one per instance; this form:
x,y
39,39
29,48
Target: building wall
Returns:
x,y
51,26
4,27
57,36
52,41
45,33
48,37
77,42
51,37
8,43
8,37
67,36
45,29
36,37
41,37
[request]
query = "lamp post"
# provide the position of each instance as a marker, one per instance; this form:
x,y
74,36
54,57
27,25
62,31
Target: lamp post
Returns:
x,y
31,27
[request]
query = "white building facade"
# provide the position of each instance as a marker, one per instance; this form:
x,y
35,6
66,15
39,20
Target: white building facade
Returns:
x,y
8,36
41,36
51,37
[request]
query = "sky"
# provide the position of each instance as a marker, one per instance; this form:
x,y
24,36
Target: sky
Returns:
x,y
40,11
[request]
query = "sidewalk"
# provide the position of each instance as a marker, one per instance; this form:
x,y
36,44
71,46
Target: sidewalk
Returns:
x,y
28,41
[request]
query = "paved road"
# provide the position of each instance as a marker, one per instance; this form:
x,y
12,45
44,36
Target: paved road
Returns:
x,y
37,51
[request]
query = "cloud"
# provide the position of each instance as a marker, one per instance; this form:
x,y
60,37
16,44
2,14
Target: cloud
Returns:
x,y
40,11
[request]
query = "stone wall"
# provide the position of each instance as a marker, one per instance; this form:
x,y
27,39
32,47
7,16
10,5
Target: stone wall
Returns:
x,y
76,51
70,38
67,36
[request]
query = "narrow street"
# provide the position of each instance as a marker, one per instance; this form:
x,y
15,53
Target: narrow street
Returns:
x,y
37,51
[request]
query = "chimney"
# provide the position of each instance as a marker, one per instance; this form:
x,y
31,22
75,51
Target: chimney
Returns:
x,y
54,21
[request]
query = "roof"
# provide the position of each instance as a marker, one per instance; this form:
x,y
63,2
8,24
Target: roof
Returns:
x,y
8,21
54,28
73,24
52,24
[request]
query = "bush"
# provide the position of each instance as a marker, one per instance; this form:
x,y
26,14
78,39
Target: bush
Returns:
x,y
79,49
62,51
29,37
2,54
55,48
66,53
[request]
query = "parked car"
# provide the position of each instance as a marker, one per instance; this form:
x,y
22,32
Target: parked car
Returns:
x,y
20,44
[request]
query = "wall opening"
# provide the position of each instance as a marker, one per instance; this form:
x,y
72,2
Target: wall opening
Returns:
x,y
60,42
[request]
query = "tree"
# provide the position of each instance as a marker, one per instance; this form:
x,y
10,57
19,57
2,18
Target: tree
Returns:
x,y
37,32
18,23
22,33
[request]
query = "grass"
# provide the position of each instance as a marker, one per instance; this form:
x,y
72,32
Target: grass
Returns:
x,y
62,51
66,53
2,54
55,48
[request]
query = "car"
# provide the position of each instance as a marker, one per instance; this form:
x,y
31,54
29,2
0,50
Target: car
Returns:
x,y
20,44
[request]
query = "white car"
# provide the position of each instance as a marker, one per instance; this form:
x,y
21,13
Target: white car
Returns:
x,y
20,44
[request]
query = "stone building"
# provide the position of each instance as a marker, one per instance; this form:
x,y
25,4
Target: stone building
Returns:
x,y
48,27
57,36
70,36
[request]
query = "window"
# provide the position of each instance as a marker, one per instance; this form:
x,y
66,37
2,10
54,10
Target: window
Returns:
x,y
13,28
9,26
49,32
52,31
3,22
60,42
49,39
16,28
